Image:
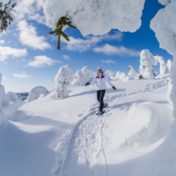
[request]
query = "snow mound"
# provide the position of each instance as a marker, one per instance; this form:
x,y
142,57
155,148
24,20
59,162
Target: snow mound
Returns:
x,y
37,92
96,16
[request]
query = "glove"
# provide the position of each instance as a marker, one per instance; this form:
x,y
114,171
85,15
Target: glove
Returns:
x,y
87,84
114,87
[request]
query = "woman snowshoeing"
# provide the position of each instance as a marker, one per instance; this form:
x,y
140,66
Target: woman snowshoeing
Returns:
x,y
101,83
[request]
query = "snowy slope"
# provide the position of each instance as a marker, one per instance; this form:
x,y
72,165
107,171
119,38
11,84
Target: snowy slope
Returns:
x,y
64,137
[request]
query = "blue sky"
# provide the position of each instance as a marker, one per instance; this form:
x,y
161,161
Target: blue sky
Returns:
x,y
36,64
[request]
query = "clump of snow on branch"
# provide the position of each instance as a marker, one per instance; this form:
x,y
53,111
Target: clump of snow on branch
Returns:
x,y
63,79
163,24
164,2
36,93
96,16
147,63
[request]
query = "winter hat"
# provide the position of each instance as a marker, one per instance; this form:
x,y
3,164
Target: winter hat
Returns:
x,y
99,69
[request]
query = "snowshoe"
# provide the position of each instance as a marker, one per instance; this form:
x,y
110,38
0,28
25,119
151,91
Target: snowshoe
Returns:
x,y
100,112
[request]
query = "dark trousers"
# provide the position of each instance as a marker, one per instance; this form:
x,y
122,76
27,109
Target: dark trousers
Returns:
x,y
100,97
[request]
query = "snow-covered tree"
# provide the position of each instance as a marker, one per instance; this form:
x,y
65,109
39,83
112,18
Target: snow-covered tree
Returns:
x,y
110,74
87,73
36,93
132,73
122,76
147,63
82,76
5,14
169,65
163,65
78,78
63,79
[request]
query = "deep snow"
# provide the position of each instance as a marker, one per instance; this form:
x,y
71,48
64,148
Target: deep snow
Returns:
x,y
51,136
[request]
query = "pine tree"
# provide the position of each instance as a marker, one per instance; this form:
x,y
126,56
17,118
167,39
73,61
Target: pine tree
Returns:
x,y
5,14
62,22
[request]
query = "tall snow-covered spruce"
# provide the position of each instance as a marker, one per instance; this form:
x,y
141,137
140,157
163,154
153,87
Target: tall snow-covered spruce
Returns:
x,y
62,80
163,65
147,63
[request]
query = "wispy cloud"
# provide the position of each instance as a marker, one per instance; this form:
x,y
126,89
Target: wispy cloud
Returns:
x,y
21,75
66,57
29,9
108,61
10,53
113,50
2,42
28,36
81,45
41,61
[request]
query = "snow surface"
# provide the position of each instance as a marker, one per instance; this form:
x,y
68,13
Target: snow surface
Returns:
x,y
51,136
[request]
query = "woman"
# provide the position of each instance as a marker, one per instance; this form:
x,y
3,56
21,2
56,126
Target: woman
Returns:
x,y
101,83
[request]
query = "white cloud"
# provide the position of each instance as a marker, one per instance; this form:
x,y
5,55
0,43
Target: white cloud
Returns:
x,y
21,75
78,44
66,57
2,42
29,9
120,51
9,53
29,37
41,61
108,61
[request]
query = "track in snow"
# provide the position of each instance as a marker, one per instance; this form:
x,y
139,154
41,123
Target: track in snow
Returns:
x,y
85,143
